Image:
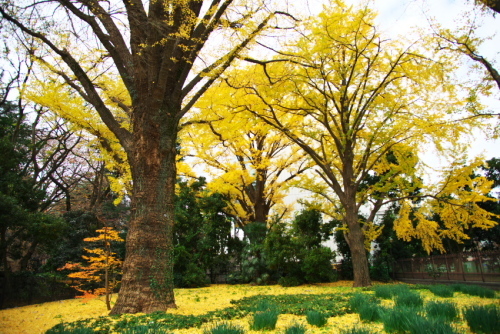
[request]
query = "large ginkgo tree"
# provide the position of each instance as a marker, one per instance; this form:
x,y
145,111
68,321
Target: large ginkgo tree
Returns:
x,y
157,50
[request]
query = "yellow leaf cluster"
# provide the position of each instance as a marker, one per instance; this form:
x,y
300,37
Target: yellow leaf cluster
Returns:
x,y
239,150
98,262
457,204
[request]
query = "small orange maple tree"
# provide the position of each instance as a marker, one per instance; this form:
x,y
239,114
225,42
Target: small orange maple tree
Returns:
x,y
102,264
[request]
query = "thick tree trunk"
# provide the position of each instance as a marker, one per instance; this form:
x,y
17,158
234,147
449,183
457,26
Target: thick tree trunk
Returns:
x,y
359,258
358,252
147,283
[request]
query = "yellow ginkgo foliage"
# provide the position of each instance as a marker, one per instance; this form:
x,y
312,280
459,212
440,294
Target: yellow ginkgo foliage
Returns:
x,y
247,160
60,100
364,108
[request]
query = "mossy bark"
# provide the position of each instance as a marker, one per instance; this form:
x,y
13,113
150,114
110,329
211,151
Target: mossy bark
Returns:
x,y
147,283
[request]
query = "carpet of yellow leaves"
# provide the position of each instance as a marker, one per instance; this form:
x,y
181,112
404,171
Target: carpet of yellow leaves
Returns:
x,y
38,318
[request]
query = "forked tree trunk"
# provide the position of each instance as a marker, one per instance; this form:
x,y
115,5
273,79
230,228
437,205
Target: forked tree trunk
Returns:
x,y
147,282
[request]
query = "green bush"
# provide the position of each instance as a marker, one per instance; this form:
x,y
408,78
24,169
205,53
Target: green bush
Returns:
x,y
409,320
144,329
383,291
370,311
295,329
442,310
442,290
409,298
28,288
474,290
421,325
265,305
356,330
399,319
317,265
289,281
235,278
359,299
390,290
224,328
483,319
193,277
380,272
265,316
76,330
316,318
265,320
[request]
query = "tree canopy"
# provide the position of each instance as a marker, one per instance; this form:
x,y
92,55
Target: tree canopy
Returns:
x,y
352,99
161,52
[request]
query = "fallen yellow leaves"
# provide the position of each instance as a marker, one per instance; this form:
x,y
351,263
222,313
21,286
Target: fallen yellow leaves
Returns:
x,y
36,319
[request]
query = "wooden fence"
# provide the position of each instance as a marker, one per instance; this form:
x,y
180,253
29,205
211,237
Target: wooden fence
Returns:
x,y
468,267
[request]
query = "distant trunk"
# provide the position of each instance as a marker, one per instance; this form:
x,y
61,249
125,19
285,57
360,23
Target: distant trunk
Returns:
x,y
23,263
5,277
147,283
261,206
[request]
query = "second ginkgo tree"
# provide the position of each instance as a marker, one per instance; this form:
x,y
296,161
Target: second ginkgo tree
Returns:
x,y
249,161
362,108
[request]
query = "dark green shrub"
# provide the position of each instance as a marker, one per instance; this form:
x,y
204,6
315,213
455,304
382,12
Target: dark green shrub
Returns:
x,y
442,290
483,319
235,278
265,316
380,272
144,329
409,320
31,288
476,290
399,319
290,281
192,277
265,305
383,291
398,289
316,318
370,311
224,328
265,320
295,329
76,330
356,330
421,325
317,265
359,299
442,310
409,298
264,279
390,290
458,287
